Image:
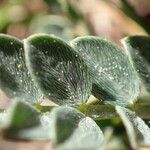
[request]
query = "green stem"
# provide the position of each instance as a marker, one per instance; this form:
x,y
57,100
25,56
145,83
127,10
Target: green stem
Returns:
x,y
100,112
43,108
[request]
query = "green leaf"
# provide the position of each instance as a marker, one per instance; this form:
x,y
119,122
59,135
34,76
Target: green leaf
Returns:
x,y
138,132
71,130
138,48
38,132
20,115
57,69
65,121
24,122
114,79
15,79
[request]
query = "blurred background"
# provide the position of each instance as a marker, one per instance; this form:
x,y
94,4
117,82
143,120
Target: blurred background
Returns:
x,y
67,19
111,19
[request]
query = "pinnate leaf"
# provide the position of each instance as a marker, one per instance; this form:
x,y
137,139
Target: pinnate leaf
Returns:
x,y
57,69
138,132
15,79
114,78
71,130
66,127
138,48
19,113
24,122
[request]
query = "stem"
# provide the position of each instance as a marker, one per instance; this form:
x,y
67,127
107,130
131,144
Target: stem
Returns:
x,y
100,112
43,108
